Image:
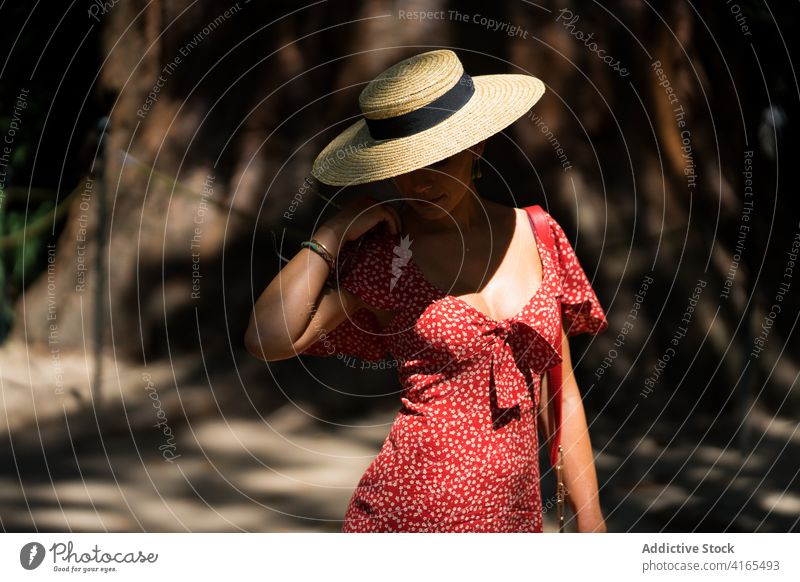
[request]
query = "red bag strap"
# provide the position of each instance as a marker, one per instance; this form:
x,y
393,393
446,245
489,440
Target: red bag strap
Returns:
x,y
541,229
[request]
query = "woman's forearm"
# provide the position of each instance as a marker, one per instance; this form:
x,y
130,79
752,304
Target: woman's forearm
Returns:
x,y
284,309
579,472
580,476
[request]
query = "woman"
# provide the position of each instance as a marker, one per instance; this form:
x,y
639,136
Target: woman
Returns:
x,y
462,294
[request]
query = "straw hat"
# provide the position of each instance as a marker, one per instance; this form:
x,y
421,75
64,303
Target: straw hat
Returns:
x,y
419,111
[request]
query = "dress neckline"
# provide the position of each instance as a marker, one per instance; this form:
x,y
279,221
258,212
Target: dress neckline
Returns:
x,y
546,272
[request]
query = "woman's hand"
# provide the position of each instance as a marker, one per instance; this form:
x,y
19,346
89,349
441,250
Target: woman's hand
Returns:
x,y
359,216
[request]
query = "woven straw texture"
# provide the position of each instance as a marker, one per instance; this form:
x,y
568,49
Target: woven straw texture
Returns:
x,y
353,157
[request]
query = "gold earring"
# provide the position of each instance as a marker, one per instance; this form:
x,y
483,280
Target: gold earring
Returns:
x,y
476,169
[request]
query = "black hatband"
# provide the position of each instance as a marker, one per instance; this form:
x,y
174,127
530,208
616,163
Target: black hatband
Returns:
x,y
426,116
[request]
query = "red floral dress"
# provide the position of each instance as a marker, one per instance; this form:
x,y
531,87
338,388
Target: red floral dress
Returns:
x,y
462,453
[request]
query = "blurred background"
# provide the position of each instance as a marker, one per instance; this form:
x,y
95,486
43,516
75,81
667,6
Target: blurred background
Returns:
x,y
155,166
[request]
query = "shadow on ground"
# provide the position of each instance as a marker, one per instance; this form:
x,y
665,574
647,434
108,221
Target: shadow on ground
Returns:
x,y
287,459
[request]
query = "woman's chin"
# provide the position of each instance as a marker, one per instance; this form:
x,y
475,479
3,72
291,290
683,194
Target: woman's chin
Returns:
x,y
430,209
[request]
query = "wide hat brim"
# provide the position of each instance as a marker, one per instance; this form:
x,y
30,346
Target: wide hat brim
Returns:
x,y
354,157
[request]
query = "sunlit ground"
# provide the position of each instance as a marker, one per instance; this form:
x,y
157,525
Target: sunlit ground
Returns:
x,y
234,471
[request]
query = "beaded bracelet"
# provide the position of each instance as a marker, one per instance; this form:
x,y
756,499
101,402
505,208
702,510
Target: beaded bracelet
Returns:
x,y
320,249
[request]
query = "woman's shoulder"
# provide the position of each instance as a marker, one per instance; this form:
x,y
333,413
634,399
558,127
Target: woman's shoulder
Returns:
x,y
562,245
364,266
580,305
551,221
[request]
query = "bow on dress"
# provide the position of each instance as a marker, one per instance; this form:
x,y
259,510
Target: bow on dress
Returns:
x,y
515,344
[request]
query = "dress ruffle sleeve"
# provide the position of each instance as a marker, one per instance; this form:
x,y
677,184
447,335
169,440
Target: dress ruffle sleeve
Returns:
x,y
359,335
580,308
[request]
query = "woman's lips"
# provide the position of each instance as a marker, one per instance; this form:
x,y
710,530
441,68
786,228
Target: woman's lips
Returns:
x,y
439,198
